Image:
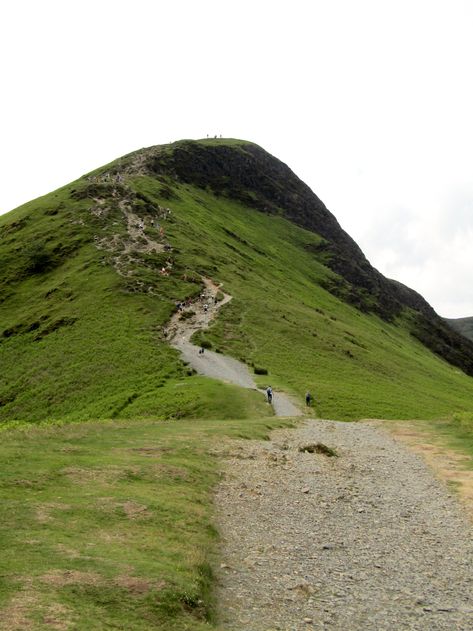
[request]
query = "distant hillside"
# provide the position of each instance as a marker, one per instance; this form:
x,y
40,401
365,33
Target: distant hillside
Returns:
x,y
91,273
462,325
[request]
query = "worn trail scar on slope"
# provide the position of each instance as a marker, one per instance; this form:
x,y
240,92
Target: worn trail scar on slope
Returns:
x,y
179,332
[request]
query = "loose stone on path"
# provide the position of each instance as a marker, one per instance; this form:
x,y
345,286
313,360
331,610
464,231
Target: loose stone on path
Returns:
x,y
368,541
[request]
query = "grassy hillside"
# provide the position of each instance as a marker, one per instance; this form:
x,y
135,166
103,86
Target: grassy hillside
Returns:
x,y
107,521
109,525
83,303
76,340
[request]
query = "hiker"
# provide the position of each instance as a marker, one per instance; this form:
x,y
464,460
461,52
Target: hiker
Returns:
x,y
269,394
308,399
206,307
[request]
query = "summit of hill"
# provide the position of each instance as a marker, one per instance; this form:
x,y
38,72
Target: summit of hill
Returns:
x,y
91,273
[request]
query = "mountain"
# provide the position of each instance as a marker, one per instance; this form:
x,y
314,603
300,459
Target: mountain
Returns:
x,y
462,325
91,273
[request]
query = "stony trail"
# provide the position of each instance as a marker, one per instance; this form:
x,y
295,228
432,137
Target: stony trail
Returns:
x,y
215,365
366,541
369,540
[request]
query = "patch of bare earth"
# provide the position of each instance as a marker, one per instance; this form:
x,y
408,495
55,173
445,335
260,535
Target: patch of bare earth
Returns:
x,y
59,617
447,464
43,511
59,578
133,510
136,585
154,452
16,615
86,476
181,328
27,604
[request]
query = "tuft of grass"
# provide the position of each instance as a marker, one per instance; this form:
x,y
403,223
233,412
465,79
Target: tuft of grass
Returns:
x,y
457,432
258,370
319,448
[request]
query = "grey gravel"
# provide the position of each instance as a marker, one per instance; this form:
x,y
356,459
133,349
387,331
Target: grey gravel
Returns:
x,y
369,540
216,365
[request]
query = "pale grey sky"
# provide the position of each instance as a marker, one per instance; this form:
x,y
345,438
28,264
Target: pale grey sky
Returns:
x,y
369,102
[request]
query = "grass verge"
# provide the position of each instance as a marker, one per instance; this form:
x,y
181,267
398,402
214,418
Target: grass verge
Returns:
x,y
109,525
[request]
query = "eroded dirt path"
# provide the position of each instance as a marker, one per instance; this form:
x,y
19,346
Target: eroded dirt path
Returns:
x,y
201,313
369,540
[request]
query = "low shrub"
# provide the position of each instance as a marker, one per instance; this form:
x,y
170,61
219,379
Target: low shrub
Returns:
x,y
37,258
260,371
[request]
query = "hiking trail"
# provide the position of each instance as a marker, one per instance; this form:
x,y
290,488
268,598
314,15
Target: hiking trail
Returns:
x,y
366,541
194,317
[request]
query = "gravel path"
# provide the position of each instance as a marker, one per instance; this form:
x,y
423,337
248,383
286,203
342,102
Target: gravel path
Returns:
x,y
365,541
216,365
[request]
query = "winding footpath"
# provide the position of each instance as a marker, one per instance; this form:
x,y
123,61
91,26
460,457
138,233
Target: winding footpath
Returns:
x,y
367,540
215,365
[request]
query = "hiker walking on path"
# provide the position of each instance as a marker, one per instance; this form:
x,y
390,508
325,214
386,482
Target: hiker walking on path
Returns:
x,y
308,399
269,394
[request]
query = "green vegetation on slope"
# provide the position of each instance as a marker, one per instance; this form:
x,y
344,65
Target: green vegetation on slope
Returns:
x,y
83,307
109,525
457,432
282,319
76,342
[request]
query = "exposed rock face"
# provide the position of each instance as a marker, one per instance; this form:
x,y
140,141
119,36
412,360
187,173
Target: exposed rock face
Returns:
x,y
249,174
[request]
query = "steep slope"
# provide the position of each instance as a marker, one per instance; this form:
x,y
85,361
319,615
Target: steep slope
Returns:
x,y
249,174
82,312
462,325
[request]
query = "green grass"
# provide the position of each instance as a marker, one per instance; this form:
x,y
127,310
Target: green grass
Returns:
x,y
109,525
357,365
457,433
78,341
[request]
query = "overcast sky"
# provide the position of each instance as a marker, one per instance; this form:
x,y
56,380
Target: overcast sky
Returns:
x,y
369,102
